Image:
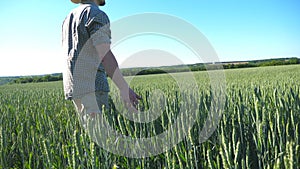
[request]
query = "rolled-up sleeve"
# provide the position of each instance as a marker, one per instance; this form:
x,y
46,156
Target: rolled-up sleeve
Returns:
x,y
99,29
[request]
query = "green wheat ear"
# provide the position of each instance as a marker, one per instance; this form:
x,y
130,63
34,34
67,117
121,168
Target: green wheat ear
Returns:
x,y
115,166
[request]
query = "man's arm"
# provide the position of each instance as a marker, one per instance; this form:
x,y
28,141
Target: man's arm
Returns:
x,y
112,69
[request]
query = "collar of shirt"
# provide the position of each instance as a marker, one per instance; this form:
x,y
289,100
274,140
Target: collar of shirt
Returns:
x,y
89,2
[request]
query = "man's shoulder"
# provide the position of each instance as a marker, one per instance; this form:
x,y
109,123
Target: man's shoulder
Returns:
x,y
96,11
96,14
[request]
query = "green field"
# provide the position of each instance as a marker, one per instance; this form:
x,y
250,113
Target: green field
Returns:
x,y
259,127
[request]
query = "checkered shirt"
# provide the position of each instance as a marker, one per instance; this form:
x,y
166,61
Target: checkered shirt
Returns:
x,y
85,27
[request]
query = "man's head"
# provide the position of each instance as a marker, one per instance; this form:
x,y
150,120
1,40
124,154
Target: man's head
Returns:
x,y
98,2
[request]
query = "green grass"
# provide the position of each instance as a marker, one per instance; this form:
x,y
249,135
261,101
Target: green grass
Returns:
x,y
259,127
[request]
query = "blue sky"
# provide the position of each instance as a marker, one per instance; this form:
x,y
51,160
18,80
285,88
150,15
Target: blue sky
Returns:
x,y
238,30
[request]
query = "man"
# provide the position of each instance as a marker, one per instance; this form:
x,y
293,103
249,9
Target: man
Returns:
x,y
86,42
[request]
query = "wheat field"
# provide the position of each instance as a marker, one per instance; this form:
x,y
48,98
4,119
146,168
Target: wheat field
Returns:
x,y
259,126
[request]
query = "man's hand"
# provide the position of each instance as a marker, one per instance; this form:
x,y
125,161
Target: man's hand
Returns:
x,y
130,99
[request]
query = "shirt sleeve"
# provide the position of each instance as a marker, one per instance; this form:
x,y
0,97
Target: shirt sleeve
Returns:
x,y
99,29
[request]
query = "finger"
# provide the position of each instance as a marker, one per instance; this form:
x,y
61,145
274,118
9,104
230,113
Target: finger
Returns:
x,y
138,97
135,96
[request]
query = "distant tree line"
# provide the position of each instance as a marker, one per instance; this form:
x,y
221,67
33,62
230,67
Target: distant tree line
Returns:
x,y
261,63
210,66
160,70
36,79
174,69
